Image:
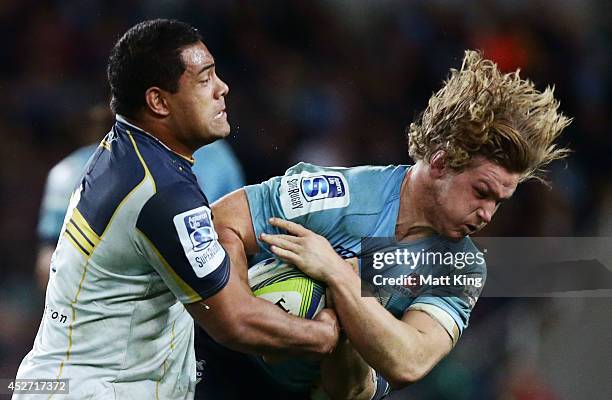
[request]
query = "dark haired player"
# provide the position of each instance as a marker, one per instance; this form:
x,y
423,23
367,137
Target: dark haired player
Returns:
x,y
139,256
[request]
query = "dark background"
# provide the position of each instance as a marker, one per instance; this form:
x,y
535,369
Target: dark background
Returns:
x,y
336,83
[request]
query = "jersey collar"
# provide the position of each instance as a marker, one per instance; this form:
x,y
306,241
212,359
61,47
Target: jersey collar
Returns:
x,y
120,118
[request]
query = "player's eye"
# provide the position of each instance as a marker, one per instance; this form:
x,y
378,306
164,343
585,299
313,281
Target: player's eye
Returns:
x,y
480,194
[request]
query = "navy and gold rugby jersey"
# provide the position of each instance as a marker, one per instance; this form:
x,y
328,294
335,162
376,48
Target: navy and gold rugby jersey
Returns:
x,y
138,241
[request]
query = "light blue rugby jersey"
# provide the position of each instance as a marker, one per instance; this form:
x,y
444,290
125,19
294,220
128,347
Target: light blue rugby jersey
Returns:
x,y
347,204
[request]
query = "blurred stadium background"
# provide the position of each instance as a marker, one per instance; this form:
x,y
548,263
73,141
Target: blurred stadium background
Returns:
x,y
336,82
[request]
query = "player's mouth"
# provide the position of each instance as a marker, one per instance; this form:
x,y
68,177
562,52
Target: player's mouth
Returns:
x,y
471,228
220,114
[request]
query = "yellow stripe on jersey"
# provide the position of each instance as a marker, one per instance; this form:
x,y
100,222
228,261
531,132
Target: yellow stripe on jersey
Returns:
x,y
172,345
73,232
142,161
71,326
192,295
105,144
80,234
76,245
165,365
84,227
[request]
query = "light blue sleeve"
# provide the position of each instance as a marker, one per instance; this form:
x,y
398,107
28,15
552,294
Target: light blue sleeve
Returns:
x,y
459,306
218,170
61,181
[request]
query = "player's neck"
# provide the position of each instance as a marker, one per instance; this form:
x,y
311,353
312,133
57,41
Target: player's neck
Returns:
x,y
164,135
411,219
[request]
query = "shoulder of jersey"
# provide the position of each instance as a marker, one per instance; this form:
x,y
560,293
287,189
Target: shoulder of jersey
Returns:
x,y
165,167
466,246
126,161
355,190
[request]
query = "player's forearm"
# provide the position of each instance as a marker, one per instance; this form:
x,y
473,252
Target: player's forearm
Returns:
x,y
261,327
393,348
240,321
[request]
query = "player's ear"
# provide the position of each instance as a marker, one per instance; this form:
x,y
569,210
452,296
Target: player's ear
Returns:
x,y
156,101
437,164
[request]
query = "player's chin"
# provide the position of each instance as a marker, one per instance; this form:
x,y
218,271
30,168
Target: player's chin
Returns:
x,y
222,131
225,128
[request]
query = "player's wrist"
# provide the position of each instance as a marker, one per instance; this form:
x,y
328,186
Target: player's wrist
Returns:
x,y
327,335
342,275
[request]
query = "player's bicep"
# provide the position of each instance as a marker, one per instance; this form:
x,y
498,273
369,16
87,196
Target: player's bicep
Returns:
x,y
440,311
436,341
233,218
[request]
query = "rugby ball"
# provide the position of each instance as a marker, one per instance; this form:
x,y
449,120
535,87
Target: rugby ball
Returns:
x,y
287,287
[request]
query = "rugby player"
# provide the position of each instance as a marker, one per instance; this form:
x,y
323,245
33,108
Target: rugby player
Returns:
x,y
481,134
139,255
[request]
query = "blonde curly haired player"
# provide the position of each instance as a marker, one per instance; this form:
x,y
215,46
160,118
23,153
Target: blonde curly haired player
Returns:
x,y
481,111
480,135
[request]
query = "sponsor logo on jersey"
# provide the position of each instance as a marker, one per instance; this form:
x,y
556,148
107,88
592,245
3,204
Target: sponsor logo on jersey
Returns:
x,y
108,140
344,252
56,315
322,187
305,193
200,231
294,193
199,240
111,137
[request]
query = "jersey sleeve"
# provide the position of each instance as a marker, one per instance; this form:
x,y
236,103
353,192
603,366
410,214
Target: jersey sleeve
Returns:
x,y
453,311
311,196
175,233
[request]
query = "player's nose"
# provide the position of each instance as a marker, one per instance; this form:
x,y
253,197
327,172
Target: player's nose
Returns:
x,y
485,215
223,88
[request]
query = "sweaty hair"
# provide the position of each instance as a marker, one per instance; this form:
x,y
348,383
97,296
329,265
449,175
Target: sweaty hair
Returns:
x,y
148,54
481,111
